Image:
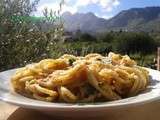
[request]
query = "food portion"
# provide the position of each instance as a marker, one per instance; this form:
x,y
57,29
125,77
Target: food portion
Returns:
x,y
93,78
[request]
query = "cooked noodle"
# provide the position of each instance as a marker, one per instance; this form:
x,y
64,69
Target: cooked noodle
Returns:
x,y
81,79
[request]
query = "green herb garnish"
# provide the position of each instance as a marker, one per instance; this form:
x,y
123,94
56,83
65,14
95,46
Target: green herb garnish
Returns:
x,y
71,61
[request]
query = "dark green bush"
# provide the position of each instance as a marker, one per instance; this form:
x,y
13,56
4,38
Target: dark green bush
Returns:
x,y
134,43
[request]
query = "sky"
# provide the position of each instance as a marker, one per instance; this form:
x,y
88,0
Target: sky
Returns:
x,y
101,8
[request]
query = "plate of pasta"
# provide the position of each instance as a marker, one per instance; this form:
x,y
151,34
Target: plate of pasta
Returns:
x,y
80,83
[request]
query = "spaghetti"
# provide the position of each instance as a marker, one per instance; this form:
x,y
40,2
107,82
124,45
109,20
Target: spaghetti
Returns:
x,y
81,79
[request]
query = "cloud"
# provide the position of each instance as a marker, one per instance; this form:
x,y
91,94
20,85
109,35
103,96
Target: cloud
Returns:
x,y
70,9
106,5
107,16
55,6
74,5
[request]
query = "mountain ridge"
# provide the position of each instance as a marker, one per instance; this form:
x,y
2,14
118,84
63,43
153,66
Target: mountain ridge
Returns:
x,y
134,19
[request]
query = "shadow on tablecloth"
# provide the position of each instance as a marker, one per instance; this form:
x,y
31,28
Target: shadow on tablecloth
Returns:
x,y
149,111
29,114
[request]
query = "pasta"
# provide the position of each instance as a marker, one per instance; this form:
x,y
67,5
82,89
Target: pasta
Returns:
x,y
71,79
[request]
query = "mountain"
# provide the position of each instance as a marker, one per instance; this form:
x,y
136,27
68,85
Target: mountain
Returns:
x,y
136,19
85,22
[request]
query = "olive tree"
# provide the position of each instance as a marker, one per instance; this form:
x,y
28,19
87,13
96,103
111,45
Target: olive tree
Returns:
x,y
21,40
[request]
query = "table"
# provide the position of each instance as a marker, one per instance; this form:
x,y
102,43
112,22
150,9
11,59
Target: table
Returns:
x,y
149,111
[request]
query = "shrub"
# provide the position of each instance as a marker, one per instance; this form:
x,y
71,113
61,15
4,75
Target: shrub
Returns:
x,y
134,43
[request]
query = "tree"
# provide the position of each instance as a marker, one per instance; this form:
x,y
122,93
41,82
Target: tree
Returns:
x,y
87,37
134,43
17,41
22,40
107,37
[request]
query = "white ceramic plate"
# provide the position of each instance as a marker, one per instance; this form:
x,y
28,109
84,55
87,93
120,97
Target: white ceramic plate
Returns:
x,y
152,93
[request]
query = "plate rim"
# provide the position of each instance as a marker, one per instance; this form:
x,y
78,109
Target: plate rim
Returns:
x,y
79,106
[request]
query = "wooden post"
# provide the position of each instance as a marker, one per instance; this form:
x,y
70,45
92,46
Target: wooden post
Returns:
x,y
158,59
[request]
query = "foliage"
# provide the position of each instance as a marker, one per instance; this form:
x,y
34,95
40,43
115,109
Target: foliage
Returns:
x,y
134,43
107,37
149,60
83,48
86,37
21,40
